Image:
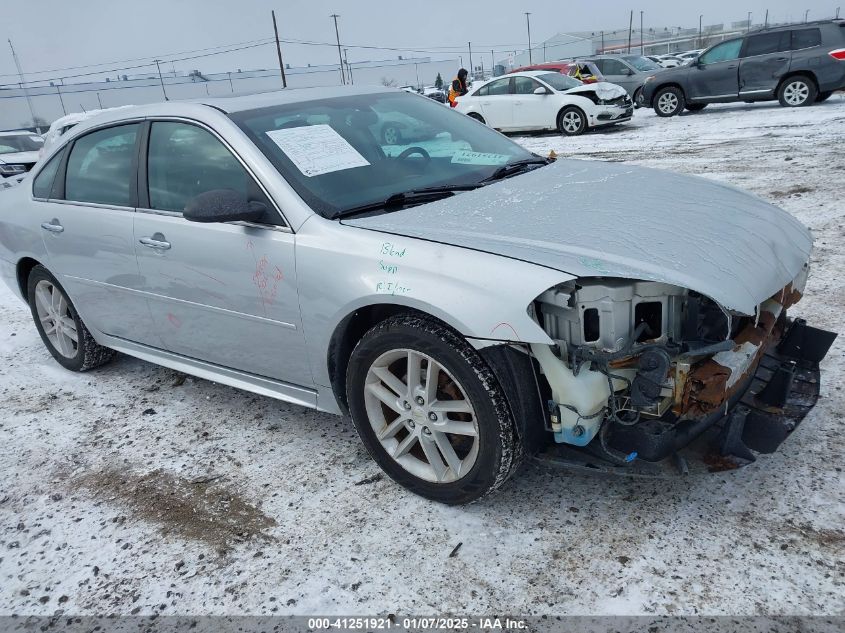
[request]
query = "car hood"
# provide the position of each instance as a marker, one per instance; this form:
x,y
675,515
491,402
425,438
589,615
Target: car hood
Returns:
x,y
604,90
595,219
19,157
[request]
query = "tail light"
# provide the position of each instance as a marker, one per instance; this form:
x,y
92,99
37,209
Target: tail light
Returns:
x,y
839,54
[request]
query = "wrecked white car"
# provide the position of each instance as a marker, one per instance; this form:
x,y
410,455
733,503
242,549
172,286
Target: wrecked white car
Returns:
x,y
467,302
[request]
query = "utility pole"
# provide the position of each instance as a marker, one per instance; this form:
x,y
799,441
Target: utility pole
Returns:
x,y
602,41
806,13
528,24
544,52
492,63
700,40
25,90
766,22
471,69
62,101
837,13
278,52
348,67
630,28
160,79
231,85
748,27
335,16
642,46
98,100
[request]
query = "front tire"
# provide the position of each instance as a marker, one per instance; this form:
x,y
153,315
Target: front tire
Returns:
x,y
695,107
477,117
59,325
430,411
638,98
572,121
824,96
797,92
669,101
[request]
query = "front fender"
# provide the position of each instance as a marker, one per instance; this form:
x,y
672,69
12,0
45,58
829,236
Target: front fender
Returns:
x,y
341,269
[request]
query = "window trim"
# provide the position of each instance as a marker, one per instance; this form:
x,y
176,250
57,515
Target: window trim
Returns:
x,y
59,192
143,177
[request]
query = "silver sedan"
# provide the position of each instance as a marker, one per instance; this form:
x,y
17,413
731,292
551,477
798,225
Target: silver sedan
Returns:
x,y
468,303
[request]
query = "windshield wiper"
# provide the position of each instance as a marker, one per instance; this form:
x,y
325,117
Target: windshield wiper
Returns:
x,y
399,200
512,169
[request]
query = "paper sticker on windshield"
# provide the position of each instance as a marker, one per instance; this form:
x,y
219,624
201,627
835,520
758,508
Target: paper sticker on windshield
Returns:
x,y
465,157
317,149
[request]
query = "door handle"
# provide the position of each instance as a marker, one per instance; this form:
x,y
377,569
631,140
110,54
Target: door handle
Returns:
x,y
53,226
160,245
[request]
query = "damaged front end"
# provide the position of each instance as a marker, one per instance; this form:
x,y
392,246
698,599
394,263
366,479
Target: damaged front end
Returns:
x,y
641,369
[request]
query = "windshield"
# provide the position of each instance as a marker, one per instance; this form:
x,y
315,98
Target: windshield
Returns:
x,y
560,82
20,143
346,152
642,63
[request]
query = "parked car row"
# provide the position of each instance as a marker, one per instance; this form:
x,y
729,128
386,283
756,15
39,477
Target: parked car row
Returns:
x,y
18,154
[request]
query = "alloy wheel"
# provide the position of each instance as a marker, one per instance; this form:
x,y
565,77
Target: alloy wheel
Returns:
x,y
421,416
796,93
54,313
571,122
391,136
667,102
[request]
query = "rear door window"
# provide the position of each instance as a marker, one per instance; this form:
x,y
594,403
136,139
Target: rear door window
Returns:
x,y
766,43
806,38
100,167
524,85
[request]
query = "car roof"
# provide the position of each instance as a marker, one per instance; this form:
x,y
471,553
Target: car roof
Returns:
x,y
798,25
288,95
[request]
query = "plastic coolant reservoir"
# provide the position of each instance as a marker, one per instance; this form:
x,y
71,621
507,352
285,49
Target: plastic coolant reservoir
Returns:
x,y
587,392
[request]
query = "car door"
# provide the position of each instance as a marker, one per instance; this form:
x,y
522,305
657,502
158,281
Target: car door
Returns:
x,y
497,103
224,293
531,111
87,229
618,72
765,59
715,75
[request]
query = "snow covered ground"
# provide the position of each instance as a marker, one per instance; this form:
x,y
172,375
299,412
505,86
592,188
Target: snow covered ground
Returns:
x,y
131,489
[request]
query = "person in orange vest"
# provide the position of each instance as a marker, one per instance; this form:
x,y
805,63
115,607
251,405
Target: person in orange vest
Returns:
x,y
458,87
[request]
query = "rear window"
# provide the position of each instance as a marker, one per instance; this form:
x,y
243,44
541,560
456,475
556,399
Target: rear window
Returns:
x,y
766,43
806,38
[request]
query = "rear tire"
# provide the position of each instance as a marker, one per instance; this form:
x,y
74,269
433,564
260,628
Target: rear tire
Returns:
x,y
572,121
58,323
669,101
797,91
443,430
696,107
390,134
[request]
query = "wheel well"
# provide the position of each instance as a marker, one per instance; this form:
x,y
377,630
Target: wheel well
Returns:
x,y
25,267
669,85
804,73
476,116
569,107
347,334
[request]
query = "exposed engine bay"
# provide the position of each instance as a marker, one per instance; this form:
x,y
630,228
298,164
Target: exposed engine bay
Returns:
x,y
639,368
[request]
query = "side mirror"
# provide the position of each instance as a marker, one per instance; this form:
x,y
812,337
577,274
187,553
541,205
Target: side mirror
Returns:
x,y
223,205
541,91
629,72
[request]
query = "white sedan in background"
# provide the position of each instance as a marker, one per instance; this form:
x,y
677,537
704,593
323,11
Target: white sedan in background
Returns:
x,y
542,100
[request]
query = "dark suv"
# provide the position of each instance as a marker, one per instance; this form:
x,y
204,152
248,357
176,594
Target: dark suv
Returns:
x,y
798,65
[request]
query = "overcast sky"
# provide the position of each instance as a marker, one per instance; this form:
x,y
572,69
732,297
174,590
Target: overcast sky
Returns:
x,y
54,34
